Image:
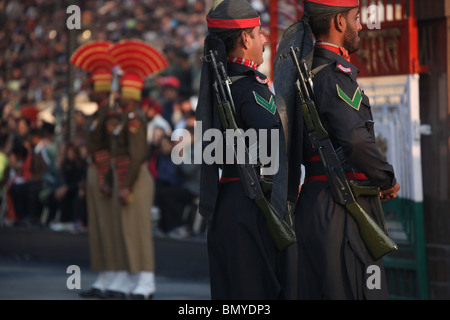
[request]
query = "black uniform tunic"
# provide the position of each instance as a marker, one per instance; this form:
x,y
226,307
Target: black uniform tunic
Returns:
x,y
244,261
333,261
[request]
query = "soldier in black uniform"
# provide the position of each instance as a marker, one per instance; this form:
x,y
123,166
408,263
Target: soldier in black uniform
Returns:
x,y
333,260
244,261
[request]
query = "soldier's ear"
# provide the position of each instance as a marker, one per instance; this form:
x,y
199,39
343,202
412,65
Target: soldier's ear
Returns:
x,y
244,38
340,22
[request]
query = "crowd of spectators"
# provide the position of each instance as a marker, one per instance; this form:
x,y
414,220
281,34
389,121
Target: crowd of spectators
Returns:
x,y
34,101
42,164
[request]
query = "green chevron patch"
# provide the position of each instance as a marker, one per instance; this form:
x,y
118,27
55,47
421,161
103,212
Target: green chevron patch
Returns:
x,y
268,105
355,102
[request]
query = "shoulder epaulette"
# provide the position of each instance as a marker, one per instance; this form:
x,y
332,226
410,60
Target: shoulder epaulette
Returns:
x,y
343,69
262,80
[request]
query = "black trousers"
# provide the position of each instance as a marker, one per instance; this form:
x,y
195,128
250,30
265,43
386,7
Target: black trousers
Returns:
x,y
244,262
72,207
172,201
25,197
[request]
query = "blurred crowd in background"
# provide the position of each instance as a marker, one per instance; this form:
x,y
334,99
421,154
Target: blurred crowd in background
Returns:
x,y
42,151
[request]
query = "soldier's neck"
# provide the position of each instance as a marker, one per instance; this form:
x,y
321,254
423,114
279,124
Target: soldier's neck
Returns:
x,y
333,39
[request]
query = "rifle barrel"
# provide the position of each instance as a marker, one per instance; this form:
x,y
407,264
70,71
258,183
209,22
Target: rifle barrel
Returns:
x,y
227,85
309,73
305,91
221,92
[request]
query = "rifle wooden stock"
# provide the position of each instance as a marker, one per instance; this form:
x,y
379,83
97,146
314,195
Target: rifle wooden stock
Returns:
x,y
279,230
376,241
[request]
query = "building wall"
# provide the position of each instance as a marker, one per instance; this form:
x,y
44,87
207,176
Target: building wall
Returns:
x,y
434,47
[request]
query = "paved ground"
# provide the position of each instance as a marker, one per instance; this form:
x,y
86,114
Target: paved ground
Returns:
x,y
33,266
33,280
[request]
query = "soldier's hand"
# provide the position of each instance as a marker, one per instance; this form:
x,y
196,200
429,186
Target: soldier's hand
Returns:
x,y
124,196
60,192
390,193
106,190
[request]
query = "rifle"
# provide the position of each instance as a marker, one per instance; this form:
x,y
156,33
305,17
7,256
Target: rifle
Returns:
x,y
375,239
279,229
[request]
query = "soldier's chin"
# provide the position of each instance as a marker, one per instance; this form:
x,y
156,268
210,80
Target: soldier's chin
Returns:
x,y
354,50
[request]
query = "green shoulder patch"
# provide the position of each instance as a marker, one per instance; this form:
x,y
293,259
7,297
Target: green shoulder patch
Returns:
x,y
355,102
268,105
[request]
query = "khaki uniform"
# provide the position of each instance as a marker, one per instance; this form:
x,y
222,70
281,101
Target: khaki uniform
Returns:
x,y
130,171
106,251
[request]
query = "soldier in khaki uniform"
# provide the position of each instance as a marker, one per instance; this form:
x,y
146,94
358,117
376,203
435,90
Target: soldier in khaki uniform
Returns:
x,y
106,255
133,184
